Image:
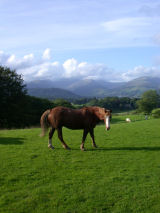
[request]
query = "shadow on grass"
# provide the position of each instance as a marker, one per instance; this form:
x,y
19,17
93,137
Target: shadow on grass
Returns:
x,y
11,141
145,148
153,148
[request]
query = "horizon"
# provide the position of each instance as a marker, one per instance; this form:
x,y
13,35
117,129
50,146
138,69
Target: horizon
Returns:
x,y
115,40
76,79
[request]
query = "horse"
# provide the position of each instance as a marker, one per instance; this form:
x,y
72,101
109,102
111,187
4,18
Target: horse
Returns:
x,y
85,118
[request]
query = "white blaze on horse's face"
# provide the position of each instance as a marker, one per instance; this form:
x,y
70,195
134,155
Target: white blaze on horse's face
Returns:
x,y
107,118
107,122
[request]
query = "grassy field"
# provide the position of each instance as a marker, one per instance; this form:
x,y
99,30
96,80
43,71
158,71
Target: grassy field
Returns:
x,y
122,175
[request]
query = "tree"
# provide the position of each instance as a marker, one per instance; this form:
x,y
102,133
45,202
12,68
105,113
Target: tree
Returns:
x,y
31,110
62,102
149,101
12,92
17,109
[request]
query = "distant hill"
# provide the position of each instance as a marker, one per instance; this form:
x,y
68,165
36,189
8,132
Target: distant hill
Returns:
x,y
92,88
52,93
74,88
136,87
40,84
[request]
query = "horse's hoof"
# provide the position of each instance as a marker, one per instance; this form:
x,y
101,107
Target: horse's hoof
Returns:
x,y
82,148
50,146
67,147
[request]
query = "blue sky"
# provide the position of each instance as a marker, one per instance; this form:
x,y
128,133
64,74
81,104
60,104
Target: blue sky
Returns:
x,y
114,40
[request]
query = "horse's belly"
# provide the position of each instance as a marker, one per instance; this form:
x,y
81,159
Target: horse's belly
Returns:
x,y
74,123
75,126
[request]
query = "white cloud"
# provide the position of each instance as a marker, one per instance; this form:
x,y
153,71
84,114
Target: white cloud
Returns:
x,y
32,69
140,71
130,25
76,24
70,67
16,63
46,54
11,59
49,70
3,57
132,31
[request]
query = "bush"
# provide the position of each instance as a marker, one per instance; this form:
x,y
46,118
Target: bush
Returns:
x,y
156,113
149,101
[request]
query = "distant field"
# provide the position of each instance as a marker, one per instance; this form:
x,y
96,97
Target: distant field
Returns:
x,y
121,176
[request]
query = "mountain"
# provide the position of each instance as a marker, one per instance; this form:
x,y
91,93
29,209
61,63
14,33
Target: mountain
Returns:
x,y
91,88
52,93
40,84
84,88
63,83
136,87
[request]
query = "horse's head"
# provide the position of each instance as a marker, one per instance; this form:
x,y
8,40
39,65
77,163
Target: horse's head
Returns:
x,y
104,114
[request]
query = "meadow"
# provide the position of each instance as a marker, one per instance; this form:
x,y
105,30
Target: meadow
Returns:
x,y
121,176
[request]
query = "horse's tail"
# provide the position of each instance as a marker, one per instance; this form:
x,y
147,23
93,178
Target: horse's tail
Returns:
x,y
44,122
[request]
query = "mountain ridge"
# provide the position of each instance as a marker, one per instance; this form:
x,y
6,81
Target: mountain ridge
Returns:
x,y
92,88
52,93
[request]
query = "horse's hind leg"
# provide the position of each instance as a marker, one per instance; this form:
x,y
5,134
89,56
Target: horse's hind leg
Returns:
x,y
60,136
50,138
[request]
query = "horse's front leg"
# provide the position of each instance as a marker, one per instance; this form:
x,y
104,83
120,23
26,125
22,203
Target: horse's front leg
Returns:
x,y
92,136
85,132
60,136
50,138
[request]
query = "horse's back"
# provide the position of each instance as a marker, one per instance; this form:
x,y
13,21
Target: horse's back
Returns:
x,y
70,118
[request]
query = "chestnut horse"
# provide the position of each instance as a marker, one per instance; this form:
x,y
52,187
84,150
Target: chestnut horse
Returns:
x,y
86,118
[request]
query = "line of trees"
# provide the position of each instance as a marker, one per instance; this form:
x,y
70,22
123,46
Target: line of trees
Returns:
x,y
19,110
115,103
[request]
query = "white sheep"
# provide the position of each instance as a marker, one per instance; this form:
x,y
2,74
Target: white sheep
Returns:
x,y
128,120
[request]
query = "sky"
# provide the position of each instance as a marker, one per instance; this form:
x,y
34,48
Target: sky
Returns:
x,y
112,40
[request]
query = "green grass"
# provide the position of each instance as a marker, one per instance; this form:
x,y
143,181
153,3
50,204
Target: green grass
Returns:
x,y
122,175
